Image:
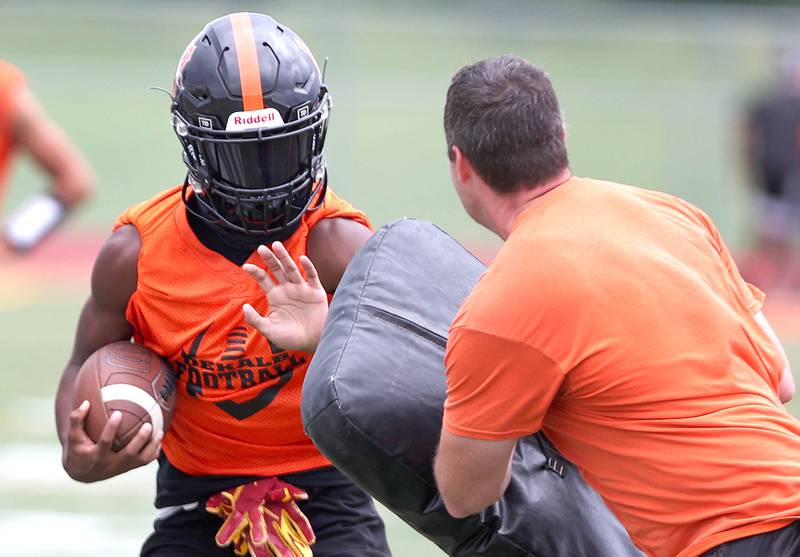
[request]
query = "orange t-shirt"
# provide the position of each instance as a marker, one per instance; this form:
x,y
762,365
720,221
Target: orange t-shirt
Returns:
x,y
11,80
614,319
238,396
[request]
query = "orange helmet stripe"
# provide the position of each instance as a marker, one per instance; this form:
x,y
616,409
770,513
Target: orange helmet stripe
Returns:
x,y
247,56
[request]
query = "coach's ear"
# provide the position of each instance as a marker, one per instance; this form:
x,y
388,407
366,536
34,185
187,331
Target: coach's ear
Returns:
x,y
460,166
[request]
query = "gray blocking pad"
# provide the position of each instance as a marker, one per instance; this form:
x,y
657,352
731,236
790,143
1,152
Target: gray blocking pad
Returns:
x,y
373,401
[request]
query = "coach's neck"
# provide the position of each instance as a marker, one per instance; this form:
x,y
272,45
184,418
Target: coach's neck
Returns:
x,y
504,208
490,208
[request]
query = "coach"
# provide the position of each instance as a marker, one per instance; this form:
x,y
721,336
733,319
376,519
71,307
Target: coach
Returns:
x,y
615,320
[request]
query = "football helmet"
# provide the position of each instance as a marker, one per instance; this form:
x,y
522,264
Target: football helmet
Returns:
x,y
251,112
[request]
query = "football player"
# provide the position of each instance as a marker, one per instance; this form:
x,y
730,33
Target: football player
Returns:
x,y
26,128
251,112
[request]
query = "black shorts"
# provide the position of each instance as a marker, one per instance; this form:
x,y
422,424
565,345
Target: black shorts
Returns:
x,y
342,514
784,542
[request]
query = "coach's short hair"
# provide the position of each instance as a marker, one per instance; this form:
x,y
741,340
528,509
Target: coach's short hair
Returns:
x,y
503,114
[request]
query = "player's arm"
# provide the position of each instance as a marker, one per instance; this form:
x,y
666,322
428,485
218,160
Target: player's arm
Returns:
x,y
332,243
34,132
472,473
102,321
71,180
298,305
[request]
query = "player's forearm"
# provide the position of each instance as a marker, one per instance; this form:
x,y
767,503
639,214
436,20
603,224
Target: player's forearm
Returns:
x,y
47,144
73,183
64,400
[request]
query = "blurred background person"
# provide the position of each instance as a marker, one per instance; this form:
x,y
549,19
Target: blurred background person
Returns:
x,y
772,158
26,128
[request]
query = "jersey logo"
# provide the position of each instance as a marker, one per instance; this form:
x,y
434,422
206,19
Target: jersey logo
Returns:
x,y
234,370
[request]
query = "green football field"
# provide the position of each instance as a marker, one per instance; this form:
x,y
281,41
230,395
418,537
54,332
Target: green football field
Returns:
x,y
652,95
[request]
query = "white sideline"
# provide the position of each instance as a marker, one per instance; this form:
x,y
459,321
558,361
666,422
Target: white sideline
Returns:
x,y
33,468
54,534
31,478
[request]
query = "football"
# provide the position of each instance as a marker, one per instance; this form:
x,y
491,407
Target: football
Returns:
x,y
129,378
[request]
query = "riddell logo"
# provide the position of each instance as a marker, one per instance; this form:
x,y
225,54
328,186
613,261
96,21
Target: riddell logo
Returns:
x,y
254,119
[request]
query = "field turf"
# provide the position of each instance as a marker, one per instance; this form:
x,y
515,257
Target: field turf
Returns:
x,y
651,92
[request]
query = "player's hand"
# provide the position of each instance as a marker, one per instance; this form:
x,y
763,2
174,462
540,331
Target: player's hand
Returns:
x,y
87,461
297,305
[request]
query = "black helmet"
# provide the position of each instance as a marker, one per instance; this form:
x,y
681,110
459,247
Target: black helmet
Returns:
x,y
251,112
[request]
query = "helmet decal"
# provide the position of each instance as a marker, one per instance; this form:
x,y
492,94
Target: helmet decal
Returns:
x,y
183,60
247,55
185,57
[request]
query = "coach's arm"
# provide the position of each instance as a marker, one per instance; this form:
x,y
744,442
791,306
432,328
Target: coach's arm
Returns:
x,y
472,473
786,388
491,403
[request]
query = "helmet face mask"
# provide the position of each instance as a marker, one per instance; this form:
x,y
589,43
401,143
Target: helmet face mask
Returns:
x,y
252,171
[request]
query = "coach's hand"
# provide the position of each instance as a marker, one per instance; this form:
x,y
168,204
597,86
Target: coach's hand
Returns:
x,y
297,305
87,461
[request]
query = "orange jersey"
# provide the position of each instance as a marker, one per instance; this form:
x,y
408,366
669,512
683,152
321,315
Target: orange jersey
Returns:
x,y
11,80
238,396
614,319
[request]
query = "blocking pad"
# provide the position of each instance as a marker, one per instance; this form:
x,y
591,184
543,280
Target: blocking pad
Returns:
x,y
373,402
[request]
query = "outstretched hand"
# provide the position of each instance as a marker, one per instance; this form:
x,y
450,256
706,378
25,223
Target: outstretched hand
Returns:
x,y
297,305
